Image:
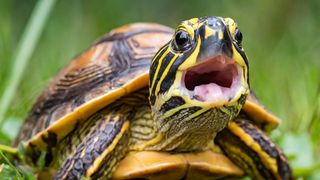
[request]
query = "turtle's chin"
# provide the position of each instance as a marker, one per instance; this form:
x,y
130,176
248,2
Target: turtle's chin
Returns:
x,y
217,80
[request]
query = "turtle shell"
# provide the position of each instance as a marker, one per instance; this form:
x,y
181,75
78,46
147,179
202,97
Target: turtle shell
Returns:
x,y
112,67
259,115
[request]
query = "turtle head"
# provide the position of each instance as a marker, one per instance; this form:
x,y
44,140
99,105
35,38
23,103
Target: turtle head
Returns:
x,y
199,80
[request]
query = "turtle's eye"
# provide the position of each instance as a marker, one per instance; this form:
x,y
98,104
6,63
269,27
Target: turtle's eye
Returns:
x,y
238,36
182,41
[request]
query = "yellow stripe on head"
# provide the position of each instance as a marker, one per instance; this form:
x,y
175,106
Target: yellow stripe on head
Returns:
x,y
158,67
231,24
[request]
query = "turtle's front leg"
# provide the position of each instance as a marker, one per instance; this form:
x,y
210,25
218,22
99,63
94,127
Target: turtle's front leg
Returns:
x,y
100,150
249,148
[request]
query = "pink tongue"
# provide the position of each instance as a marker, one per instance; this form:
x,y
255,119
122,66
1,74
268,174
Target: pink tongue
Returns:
x,y
209,92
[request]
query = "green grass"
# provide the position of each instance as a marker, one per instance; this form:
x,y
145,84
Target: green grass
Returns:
x,y
281,39
24,50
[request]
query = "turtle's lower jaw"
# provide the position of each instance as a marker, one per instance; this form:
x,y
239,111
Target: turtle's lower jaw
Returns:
x,y
216,80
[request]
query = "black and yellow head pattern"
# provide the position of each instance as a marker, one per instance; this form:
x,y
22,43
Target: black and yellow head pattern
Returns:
x,y
199,80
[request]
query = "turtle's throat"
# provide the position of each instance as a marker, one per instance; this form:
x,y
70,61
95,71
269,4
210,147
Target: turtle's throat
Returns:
x,y
190,129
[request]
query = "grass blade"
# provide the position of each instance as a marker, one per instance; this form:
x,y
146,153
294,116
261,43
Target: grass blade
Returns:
x,y
25,49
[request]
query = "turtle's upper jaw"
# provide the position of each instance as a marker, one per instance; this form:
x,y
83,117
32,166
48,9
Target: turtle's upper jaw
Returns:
x,y
217,79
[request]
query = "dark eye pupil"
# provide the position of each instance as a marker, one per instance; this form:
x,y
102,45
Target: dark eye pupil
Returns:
x,y
181,38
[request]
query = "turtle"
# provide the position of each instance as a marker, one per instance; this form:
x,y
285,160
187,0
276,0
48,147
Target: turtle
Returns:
x,y
150,102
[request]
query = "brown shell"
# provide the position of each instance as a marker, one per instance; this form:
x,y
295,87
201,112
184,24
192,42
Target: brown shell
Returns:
x,y
259,114
118,58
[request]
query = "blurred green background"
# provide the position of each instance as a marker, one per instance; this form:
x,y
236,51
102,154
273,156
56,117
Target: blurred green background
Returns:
x,y
281,39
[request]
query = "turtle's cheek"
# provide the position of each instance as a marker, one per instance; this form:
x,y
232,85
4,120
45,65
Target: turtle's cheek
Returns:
x,y
216,80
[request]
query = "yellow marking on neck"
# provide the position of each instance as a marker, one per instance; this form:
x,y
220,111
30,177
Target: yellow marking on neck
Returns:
x,y
158,67
165,72
172,111
151,142
97,162
226,111
267,160
197,113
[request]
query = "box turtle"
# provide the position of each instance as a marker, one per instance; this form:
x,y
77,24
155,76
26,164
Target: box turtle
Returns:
x,y
148,102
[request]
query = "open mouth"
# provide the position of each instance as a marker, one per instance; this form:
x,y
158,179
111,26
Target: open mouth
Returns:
x,y
213,80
